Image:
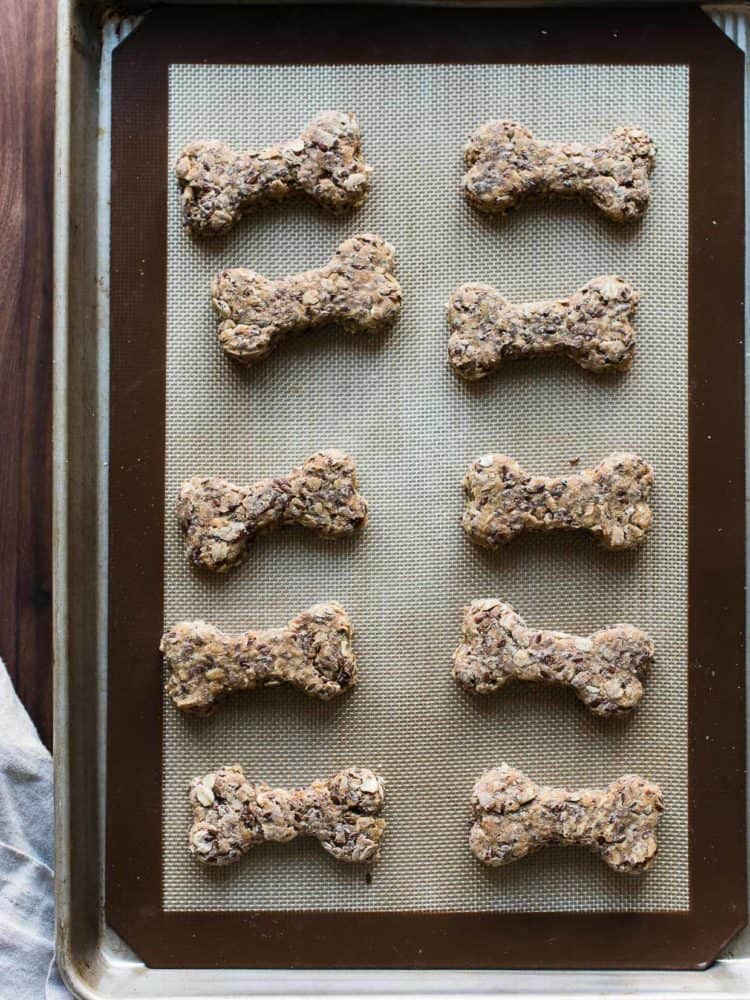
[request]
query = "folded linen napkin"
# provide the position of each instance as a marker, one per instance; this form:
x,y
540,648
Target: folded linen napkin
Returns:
x,y
27,894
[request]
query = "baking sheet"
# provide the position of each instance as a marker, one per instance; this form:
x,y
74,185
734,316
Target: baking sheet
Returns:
x,y
412,426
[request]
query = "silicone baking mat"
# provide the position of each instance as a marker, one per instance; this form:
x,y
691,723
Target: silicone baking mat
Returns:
x,y
178,407
412,427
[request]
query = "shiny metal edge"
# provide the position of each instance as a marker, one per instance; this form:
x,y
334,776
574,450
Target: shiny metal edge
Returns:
x,y
94,962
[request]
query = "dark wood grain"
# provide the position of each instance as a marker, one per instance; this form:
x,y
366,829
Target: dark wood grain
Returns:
x,y
27,72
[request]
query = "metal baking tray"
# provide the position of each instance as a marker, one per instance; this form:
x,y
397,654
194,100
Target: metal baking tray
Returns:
x,y
94,960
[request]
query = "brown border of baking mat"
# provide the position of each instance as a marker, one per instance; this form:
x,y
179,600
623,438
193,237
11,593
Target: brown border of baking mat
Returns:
x,y
716,455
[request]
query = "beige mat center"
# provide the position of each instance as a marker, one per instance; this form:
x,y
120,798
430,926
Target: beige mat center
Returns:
x,y
412,426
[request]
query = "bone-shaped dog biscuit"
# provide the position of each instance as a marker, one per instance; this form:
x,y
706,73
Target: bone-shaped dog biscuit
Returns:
x,y
356,291
593,327
513,817
610,501
219,519
232,814
313,654
324,161
507,165
605,669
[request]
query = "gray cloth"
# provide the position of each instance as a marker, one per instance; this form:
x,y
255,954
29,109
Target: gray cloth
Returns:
x,y
27,894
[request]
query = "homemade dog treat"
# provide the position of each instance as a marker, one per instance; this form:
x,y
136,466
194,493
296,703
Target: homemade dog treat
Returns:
x,y
611,501
507,165
324,161
593,327
356,291
313,654
232,814
514,817
605,669
219,519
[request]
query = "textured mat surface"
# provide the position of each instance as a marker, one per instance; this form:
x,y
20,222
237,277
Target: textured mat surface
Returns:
x,y
412,426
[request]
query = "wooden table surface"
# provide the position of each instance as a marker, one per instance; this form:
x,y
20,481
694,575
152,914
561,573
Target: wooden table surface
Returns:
x,y
27,76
